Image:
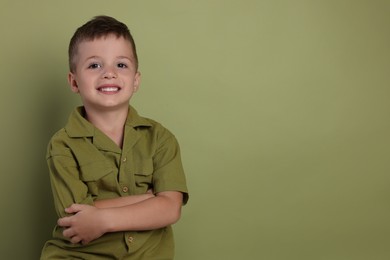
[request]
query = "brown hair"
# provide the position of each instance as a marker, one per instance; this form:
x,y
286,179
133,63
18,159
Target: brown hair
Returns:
x,y
97,27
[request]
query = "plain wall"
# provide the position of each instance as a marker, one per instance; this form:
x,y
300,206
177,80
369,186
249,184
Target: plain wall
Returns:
x,y
281,109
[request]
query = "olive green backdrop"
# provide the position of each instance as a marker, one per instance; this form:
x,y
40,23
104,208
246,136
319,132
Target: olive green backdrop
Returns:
x,y
281,109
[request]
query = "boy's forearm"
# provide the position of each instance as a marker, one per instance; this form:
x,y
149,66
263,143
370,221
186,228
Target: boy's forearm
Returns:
x,y
160,211
122,201
88,222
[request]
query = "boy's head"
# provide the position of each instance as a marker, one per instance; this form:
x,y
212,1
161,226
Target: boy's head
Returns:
x,y
99,26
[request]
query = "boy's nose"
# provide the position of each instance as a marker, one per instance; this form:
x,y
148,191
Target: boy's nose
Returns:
x,y
109,74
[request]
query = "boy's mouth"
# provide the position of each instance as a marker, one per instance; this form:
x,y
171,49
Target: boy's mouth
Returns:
x,y
109,89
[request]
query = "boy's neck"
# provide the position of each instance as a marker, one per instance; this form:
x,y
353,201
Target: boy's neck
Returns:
x,y
110,123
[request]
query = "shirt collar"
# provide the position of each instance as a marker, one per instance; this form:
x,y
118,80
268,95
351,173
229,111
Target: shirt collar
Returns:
x,y
78,126
134,120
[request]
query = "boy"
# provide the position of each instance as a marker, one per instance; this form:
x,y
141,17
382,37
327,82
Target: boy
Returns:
x,y
117,178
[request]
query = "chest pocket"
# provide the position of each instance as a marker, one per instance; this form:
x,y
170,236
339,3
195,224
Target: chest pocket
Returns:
x,y
98,176
144,174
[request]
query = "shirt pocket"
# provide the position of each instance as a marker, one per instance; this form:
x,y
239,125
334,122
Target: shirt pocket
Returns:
x,y
97,176
144,174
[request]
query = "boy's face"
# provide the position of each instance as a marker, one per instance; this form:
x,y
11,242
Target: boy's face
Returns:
x,y
105,74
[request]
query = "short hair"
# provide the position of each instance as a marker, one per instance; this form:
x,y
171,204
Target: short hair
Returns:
x,y
97,27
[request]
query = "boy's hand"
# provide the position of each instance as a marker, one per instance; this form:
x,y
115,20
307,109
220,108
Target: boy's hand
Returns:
x,y
84,226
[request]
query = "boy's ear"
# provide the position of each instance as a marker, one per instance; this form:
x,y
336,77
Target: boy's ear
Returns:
x,y
73,83
137,81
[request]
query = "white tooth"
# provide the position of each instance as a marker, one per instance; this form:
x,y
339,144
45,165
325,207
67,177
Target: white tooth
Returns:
x,y
109,89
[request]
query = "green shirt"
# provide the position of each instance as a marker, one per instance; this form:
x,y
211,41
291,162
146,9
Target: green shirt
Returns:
x,y
85,165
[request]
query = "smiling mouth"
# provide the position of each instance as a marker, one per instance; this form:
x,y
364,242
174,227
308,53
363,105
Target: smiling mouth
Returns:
x,y
109,89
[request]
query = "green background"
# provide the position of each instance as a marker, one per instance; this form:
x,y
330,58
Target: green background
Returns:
x,y
281,109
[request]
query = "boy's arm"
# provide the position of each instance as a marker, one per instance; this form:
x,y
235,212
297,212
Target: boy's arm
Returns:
x,y
123,201
89,223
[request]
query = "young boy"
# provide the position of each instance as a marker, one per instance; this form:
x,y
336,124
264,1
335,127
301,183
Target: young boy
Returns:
x,y
117,178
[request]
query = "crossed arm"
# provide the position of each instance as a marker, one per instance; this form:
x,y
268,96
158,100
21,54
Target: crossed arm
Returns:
x,y
139,212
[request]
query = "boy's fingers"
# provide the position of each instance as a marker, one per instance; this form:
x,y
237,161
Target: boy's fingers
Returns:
x,y
73,208
63,222
75,240
68,233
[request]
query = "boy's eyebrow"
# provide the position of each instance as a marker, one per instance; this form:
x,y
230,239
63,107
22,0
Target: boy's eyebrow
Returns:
x,y
92,57
118,57
124,57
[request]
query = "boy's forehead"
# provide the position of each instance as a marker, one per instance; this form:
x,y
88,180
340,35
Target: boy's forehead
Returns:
x,y
110,38
111,42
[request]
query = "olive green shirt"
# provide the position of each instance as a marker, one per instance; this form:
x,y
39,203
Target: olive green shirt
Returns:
x,y
85,165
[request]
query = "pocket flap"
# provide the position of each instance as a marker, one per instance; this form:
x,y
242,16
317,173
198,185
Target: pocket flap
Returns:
x,y
144,168
94,171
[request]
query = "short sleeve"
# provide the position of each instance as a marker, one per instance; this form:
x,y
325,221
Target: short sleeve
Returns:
x,y
168,169
65,180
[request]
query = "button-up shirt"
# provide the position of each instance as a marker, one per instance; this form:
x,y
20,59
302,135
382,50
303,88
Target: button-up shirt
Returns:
x,y
85,165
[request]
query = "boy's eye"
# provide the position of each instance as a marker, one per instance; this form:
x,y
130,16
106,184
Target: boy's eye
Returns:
x,y
94,66
122,65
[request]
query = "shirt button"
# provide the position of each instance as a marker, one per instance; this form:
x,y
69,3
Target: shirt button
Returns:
x,y
130,239
124,159
125,189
